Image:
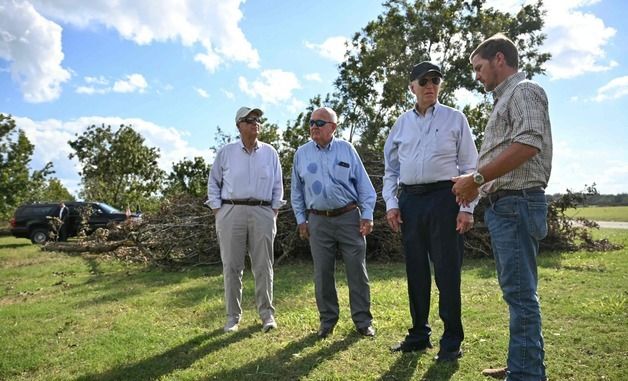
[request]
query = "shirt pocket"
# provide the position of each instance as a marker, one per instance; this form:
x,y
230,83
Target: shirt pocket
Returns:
x,y
445,141
263,179
341,172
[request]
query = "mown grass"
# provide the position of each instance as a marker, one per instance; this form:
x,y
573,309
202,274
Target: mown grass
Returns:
x,y
68,317
601,213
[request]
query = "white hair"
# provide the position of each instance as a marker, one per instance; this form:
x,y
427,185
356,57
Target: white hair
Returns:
x,y
331,112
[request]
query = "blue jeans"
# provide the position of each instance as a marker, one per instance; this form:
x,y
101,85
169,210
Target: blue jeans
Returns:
x,y
516,224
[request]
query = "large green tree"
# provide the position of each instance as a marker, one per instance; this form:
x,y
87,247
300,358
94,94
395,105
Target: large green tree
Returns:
x,y
117,167
372,81
16,179
189,177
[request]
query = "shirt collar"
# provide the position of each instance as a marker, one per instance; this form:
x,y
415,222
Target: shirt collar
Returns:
x,y
508,84
327,147
434,109
255,148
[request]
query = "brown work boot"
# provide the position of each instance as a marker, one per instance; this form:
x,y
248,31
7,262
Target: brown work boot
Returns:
x,y
499,373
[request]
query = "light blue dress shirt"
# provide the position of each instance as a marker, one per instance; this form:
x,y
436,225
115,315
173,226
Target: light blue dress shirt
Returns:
x,y
330,177
423,149
239,175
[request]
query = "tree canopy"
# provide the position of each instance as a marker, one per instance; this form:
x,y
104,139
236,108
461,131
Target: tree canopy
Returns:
x,y
117,168
372,85
17,182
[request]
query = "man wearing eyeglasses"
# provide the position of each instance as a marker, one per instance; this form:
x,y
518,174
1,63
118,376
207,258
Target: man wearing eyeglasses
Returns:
x,y
426,147
245,192
333,201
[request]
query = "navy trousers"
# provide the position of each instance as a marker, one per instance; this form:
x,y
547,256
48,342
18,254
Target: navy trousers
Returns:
x,y
429,234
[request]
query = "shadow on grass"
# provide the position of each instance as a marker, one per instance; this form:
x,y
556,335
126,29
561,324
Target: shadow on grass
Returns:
x,y
14,245
179,357
287,364
441,371
403,369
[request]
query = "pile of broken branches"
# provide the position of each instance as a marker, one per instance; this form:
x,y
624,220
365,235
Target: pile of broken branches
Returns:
x,y
182,232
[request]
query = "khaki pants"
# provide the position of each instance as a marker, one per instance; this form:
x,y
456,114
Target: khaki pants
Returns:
x,y
242,227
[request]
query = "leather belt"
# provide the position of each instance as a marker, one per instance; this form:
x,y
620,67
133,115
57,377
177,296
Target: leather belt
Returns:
x,y
334,212
420,189
494,196
247,202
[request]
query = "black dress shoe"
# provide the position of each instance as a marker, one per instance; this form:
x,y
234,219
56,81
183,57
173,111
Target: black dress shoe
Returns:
x,y
406,347
367,331
448,355
323,332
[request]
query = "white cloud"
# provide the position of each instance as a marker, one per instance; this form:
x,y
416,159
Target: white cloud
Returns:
x,y
96,80
100,85
32,45
51,137
274,86
315,77
132,83
212,25
201,92
575,39
333,48
616,88
465,97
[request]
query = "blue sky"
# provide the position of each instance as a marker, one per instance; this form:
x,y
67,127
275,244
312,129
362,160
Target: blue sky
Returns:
x,y
176,70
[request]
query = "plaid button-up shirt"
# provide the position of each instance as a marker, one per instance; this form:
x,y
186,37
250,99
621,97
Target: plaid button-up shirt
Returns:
x,y
520,115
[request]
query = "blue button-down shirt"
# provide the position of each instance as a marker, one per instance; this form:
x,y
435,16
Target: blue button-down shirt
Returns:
x,y
239,175
330,177
423,149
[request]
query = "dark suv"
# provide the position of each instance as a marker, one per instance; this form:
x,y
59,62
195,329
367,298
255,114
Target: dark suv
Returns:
x,y
30,220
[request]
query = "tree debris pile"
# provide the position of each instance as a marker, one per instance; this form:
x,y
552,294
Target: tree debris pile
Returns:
x,y
183,232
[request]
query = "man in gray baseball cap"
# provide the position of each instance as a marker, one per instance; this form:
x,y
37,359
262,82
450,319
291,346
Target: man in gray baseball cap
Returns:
x,y
244,111
245,192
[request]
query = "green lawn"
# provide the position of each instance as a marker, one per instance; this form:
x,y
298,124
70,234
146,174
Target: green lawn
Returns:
x,y
601,213
86,318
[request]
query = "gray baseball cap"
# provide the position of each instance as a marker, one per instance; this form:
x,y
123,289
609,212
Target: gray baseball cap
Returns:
x,y
243,112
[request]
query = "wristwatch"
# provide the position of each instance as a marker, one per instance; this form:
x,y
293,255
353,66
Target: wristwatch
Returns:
x,y
478,178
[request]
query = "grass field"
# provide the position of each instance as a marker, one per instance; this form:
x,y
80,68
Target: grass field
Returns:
x,y
601,213
68,317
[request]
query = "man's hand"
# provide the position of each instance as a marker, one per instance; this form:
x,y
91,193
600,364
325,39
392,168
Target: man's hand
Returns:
x,y
393,216
366,227
276,212
464,222
304,233
215,211
465,189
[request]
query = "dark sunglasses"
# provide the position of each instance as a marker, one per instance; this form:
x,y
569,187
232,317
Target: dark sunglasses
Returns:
x,y
250,120
423,81
318,122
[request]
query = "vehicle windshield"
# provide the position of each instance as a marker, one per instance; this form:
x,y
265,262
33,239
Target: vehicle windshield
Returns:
x,y
107,208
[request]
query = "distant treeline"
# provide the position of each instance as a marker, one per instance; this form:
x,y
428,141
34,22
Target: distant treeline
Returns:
x,y
602,199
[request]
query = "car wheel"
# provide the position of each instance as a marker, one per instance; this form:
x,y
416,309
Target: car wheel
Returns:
x,y
39,236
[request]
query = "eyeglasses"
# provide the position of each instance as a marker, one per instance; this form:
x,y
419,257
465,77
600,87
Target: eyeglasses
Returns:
x,y
435,81
319,123
251,120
